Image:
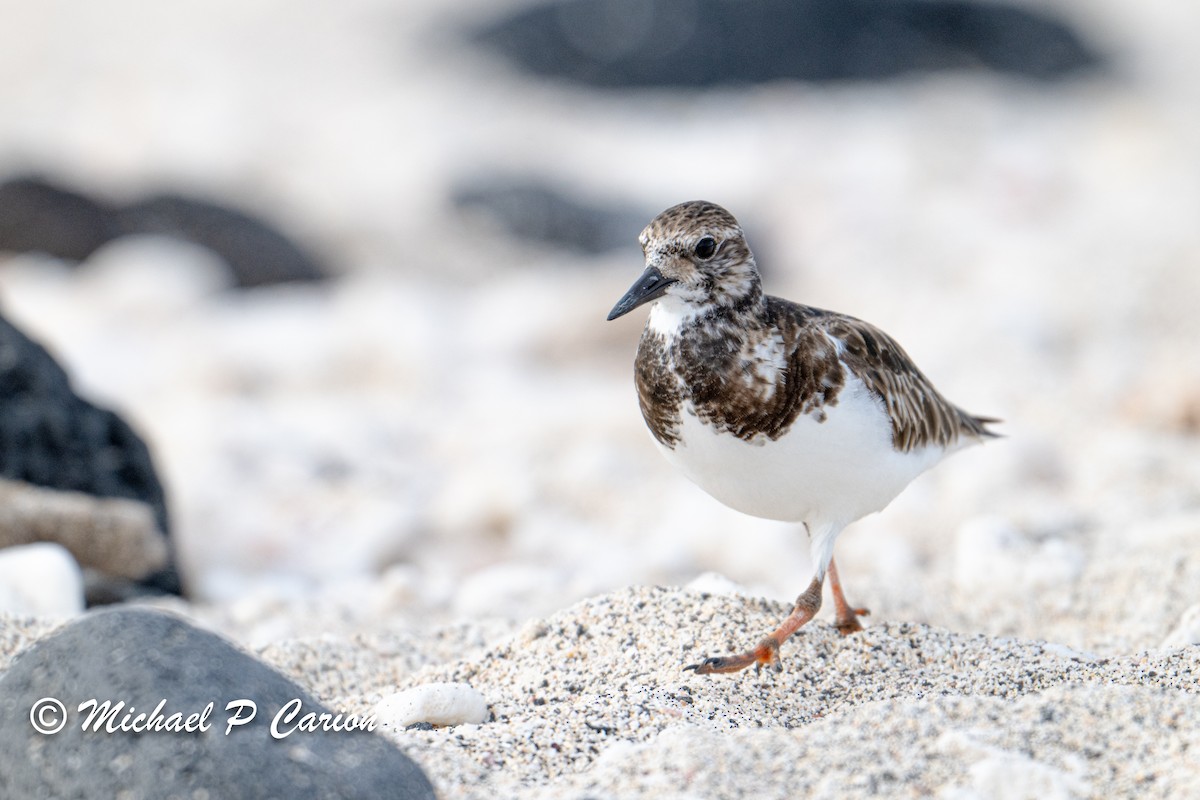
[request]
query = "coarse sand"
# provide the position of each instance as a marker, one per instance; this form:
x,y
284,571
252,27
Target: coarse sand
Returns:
x,y
592,702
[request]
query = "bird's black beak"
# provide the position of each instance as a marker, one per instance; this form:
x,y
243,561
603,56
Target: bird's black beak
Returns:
x,y
650,286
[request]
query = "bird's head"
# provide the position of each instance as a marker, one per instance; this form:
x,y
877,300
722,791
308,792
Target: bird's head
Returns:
x,y
696,259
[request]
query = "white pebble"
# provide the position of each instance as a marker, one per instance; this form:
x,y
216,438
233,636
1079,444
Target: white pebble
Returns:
x,y
994,557
717,584
508,589
1187,632
40,579
435,703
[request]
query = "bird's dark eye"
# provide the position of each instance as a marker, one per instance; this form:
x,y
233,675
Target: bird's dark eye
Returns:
x,y
706,247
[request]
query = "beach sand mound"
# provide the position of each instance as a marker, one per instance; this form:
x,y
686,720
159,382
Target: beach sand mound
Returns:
x,y
593,702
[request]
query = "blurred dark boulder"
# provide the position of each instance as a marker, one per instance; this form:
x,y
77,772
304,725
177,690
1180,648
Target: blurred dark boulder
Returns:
x,y
258,254
528,209
51,437
40,216
703,43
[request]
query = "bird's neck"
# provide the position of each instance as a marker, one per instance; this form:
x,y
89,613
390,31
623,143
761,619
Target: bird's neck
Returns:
x,y
728,309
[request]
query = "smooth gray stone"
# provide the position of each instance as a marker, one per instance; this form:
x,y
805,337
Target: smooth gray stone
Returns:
x,y
142,657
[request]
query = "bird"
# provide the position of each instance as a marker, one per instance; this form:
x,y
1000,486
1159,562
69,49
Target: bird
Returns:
x,y
776,409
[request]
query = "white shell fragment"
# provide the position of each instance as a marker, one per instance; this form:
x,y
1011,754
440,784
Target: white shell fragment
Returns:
x,y
1187,632
718,584
435,703
40,579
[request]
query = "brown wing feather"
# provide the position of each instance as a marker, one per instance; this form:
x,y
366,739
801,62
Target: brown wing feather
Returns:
x,y
705,368
920,415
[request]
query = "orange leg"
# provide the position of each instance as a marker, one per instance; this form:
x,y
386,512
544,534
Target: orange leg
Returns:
x,y
767,651
847,617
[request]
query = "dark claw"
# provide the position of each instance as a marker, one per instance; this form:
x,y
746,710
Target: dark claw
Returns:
x,y
776,665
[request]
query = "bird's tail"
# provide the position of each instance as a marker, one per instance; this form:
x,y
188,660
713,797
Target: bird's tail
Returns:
x,y
978,426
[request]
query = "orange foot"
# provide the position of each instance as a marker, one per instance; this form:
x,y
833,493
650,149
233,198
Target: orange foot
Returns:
x,y
847,617
848,623
766,654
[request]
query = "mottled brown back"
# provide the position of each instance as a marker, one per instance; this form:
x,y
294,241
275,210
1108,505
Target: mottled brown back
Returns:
x,y
919,414
711,365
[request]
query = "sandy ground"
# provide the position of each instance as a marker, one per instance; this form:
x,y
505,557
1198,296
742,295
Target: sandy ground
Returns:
x,y
591,702
378,482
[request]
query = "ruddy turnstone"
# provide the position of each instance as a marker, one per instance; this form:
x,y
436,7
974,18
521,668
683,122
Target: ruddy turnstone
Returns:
x,y
776,409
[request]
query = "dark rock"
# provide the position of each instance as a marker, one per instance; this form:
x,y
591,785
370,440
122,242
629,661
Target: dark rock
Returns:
x,y
142,657
257,254
702,43
49,436
39,216
104,590
36,216
527,209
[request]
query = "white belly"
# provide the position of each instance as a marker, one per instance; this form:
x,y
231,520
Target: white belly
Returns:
x,y
821,473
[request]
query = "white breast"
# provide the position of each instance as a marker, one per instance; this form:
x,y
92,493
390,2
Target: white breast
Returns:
x,y
826,473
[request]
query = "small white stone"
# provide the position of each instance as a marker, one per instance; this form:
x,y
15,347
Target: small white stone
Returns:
x,y
1003,774
435,703
508,589
989,553
1062,651
1187,632
40,579
716,584
994,557
1006,775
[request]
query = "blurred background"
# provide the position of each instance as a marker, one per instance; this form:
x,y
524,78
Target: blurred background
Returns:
x,y
344,268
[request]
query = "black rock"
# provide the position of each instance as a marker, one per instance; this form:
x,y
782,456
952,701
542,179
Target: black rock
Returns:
x,y
142,657
257,254
702,43
36,216
528,209
39,216
49,436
